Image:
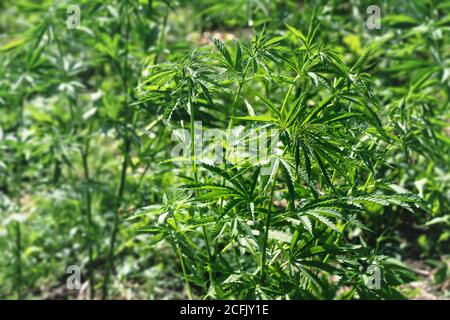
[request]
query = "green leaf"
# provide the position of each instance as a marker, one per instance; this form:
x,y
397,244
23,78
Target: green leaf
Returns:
x,y
297,33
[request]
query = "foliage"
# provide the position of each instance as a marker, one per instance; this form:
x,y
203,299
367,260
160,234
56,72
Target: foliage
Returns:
x,y
355,177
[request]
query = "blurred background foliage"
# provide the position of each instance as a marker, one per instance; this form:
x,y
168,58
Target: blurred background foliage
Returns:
x,y
71,124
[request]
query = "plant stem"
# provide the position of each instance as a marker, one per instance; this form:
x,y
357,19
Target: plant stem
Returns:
x,y
90,225
230,126
126,151
236,97
163,35
110,262
286,97
266,231
230,118
183,268
18,261
194,168
18,195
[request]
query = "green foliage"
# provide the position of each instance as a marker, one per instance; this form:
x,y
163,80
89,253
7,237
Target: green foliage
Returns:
x,y
355,179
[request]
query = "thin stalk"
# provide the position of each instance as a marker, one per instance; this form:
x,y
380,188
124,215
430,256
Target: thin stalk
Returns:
x,y
183,266
123,174
163,35
110,261
18,260
194,168
63,76
236,97
18,194
192,136
266,231
286,97
230,118
90,225
370,176
86,172
230,126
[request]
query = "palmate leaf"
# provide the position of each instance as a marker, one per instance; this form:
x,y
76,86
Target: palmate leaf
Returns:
x,y
316,215
268,178
156,239
323,170
273,41
319,265
238,57
224,52
362,59
289,179
202,221
269,104
303,221
403,200
261,118
355,203
363,105
324,209
324,103
298,34
385,110
226,174
296,109
307,224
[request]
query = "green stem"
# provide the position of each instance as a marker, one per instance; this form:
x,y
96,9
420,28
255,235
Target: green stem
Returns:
x,y
18,261
163,35
266,231
85,160
230,126
126,151
110,261
286,97
194,168
183,268
230,118
18,194
236,97
90,225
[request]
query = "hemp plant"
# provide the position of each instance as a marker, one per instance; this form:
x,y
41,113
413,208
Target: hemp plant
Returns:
x,y
276,227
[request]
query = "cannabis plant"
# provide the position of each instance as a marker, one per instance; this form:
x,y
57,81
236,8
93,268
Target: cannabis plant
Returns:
x,y
281,224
